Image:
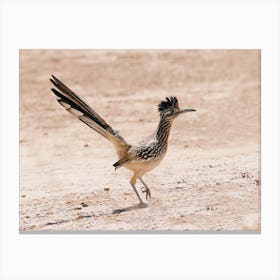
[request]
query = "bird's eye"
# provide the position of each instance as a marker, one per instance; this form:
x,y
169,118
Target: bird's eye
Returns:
x,y
170,112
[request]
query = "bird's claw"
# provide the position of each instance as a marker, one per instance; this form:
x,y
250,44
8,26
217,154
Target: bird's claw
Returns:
x,y
148,193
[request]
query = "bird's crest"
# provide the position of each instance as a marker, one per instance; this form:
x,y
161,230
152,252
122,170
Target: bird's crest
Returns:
x,y
169,102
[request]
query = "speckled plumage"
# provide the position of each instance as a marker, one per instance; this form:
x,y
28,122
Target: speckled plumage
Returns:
x,y
140,158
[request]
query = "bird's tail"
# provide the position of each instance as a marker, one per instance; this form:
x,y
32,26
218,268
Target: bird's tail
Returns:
x,y
77,107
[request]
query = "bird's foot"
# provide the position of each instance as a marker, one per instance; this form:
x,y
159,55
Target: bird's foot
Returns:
x,y
148,193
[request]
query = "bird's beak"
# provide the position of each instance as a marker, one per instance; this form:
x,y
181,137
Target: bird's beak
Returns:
x,y
185,111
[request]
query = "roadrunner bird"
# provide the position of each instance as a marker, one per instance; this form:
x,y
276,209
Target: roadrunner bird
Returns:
x,y
140,158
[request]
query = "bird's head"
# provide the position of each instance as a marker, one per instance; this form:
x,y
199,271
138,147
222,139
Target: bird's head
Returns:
x,y
169,108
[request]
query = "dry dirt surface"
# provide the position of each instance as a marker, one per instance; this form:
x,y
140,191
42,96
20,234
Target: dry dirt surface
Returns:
x,y
210,177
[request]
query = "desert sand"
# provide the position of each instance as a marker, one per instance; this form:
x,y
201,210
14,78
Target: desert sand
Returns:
x,y
210,177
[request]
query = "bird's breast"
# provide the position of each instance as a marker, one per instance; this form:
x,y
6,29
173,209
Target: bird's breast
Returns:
x,y
143,166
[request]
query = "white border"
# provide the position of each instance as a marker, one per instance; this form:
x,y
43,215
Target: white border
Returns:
x,y
155,24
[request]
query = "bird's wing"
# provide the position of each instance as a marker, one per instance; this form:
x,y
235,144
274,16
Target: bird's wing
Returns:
x,y
77,107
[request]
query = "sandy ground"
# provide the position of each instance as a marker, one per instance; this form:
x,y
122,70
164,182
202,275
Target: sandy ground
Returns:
x,y
210,177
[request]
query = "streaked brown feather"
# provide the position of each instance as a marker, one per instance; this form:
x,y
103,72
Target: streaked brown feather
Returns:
x,y
77,107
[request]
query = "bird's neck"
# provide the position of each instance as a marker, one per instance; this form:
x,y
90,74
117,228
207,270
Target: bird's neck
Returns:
x,y
163,130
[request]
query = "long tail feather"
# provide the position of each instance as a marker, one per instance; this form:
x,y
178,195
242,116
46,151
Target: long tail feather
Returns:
x,y
77,107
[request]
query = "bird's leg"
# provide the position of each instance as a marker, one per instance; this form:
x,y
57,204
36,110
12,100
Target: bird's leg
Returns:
x,y
132,183
147,190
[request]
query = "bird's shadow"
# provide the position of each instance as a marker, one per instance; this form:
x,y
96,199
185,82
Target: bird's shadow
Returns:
x,y
134,207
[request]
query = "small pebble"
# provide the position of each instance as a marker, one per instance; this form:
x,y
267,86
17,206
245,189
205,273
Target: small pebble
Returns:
x,y
84,204
78,208
106,189
23,195
118,211
211,166
86,145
